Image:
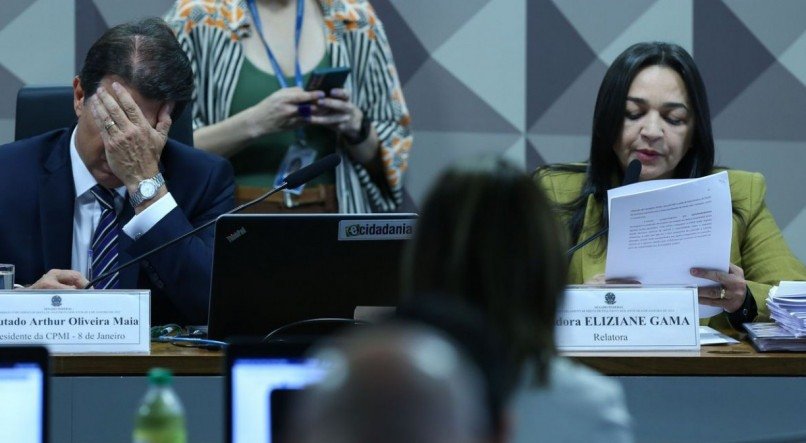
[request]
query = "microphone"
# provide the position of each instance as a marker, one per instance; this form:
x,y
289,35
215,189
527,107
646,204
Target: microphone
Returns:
x,y
632,173
631,176
309,172
293,180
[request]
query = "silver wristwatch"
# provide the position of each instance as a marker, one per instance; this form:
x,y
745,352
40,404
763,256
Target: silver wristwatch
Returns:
x,y
146,190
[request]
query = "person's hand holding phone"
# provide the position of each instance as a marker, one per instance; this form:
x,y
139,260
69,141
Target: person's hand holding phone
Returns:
x,y
335,110
338,113
281,111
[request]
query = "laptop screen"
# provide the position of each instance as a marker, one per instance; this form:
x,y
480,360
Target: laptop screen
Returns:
x,y
262,389
22,404
272,270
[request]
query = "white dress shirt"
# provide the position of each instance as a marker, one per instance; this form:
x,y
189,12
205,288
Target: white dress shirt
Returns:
x,y
87,212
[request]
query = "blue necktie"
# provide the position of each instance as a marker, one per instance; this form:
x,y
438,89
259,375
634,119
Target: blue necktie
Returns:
x,y
105,239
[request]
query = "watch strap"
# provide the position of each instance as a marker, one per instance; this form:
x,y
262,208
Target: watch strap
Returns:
x,y
746,313
137,198
363,132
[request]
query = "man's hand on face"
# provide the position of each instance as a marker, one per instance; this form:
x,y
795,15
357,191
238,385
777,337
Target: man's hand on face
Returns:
x,y
133,147
61,279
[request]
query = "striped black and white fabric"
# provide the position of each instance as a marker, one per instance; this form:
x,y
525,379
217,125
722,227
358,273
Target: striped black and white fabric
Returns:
x,y
105,239
210,31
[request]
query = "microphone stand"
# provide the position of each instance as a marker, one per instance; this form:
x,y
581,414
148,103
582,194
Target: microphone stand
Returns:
x,y
631,175
581,244
283,186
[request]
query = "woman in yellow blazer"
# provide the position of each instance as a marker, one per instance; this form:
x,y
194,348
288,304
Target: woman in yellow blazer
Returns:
x,y
652,107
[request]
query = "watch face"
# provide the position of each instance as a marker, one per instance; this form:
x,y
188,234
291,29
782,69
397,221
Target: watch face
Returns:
x,y
147,189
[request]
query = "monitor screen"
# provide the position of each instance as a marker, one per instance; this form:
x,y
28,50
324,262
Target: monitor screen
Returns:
x,y
262,388
21,402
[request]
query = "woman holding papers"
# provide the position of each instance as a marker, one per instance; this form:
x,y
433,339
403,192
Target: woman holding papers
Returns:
x,y
652,107
484,235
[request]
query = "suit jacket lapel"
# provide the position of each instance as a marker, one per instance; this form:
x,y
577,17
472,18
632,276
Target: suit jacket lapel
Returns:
x,y
593,255
56,205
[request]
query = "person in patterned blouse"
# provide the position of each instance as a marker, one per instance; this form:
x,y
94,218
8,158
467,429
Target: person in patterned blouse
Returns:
x,y
243,111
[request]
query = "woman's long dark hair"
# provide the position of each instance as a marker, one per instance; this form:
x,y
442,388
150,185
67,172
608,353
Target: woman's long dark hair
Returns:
x,y
603,169
486,235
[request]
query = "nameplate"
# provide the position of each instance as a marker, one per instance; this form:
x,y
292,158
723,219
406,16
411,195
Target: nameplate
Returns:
x,y
93,321
628,318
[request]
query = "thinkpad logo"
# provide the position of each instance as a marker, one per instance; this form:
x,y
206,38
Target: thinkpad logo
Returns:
x,y
236,235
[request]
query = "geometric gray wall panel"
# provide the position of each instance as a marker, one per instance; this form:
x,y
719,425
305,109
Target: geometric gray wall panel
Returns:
x,y
728,54
772,107
91,25
12,9
442,102
551,37
409,53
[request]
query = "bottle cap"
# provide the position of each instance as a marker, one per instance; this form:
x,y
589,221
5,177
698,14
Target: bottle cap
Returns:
x,y
159,376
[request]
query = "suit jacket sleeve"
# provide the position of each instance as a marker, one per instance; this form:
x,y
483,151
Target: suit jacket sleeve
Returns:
x,y
183,271
765,256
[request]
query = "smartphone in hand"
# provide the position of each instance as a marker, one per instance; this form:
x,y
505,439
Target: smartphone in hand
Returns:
x,y
326,79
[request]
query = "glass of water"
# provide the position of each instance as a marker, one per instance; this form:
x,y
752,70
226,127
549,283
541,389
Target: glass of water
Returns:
x,y
6,277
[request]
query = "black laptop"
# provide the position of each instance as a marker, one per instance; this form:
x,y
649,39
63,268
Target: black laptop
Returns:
x,y
271,270
23,394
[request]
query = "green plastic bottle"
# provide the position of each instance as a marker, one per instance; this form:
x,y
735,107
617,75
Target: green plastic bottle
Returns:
x,y
160,417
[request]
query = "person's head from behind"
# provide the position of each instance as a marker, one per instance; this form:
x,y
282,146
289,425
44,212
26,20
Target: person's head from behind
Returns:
x,y
470,330
652,106
145,59
392,383
486,234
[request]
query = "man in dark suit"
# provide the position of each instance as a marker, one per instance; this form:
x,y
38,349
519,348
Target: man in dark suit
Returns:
x,y
79,201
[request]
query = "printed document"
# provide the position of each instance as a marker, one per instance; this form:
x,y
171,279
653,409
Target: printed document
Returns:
x,y
660,229
787,305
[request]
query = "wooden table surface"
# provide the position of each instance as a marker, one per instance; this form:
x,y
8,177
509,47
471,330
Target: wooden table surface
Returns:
x,y
726,360
181,360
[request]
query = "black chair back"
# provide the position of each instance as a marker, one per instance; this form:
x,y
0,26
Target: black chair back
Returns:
x,y
44,108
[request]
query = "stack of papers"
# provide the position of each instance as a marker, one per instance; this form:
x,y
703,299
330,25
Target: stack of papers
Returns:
x,y
772,337
660,229
787,305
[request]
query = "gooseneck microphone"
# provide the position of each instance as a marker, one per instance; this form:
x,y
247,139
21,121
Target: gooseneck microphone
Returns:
x,y
300,177
631,176
292,181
